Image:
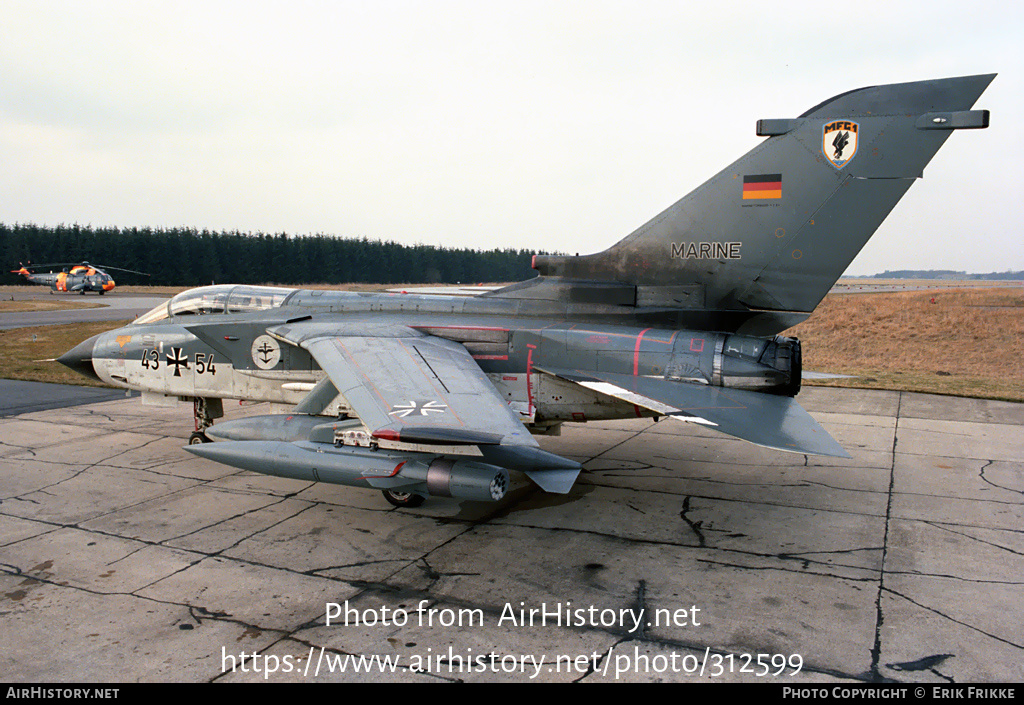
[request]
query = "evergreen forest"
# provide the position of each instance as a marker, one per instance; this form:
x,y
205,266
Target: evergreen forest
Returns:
x,y
190,257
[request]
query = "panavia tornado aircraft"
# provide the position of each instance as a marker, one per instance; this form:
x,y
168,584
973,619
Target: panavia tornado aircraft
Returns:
x,y
419,395
81,277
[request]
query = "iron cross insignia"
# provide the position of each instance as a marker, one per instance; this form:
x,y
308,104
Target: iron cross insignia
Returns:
x,y
417,408
178,360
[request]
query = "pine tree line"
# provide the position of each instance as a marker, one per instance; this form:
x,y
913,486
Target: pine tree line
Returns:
x,y
191,257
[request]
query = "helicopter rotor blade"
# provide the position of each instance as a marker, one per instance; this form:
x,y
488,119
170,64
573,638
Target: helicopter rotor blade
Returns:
x,y
82,263
118,269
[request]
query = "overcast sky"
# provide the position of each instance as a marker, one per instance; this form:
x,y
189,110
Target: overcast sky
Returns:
x,y
539,125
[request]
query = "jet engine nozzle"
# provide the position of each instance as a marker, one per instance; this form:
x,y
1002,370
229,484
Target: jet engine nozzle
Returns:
x,y
770,365
784,354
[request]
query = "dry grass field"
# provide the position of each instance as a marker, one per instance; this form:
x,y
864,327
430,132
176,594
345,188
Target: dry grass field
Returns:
x,y
970,342
26,352
15,306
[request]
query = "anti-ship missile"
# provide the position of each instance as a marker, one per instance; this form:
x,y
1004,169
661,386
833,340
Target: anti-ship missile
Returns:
x,y
271,445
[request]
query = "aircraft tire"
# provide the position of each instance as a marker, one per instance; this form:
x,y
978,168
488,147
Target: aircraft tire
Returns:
x,y
404,499
198,437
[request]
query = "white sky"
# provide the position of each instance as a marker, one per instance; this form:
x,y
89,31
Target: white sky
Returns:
x,y
539,125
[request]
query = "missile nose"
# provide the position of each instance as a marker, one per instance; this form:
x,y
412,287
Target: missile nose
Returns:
x,y
79,358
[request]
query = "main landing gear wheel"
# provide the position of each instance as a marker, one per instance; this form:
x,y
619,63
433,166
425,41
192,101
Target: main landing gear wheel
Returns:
x,y
404,499
205,411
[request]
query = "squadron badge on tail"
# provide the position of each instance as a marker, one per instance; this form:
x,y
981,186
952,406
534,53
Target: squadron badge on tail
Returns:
x,y
839,142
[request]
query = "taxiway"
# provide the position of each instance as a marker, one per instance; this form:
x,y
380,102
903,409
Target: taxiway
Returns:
x,y
124,558
115,306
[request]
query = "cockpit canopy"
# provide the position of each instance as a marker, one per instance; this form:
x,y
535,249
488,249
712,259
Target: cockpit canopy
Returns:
x,y
223,298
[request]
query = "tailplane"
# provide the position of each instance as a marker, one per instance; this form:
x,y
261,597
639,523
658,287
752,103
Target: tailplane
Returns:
x,y
776,229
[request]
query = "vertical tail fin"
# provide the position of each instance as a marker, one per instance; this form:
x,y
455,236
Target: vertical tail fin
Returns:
x,y
777,228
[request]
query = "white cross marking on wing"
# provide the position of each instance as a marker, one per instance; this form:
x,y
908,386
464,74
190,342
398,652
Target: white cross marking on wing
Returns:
x,y
418,408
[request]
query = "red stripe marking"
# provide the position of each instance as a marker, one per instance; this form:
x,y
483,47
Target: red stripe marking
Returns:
x,y
636,352
393,473
764,186
529,369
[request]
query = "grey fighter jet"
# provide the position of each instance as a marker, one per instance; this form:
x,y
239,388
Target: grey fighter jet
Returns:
x,y
419,395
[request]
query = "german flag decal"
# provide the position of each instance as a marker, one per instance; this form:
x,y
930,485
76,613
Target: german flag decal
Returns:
x,y
762,186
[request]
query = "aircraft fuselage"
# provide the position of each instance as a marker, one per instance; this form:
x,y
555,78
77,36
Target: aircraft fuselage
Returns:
x,y
203,349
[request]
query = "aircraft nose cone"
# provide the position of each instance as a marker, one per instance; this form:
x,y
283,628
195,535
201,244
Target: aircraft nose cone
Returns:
x,y
79,358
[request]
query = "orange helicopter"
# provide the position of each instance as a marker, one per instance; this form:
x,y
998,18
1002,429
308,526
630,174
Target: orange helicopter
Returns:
x,y
81,277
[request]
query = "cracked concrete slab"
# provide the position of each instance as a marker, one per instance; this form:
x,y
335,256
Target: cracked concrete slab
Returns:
x,y
727,524
345,543
969,553
252,594
19,435
423,644
232,530
178,514
863,402
19,478
987,411
54,633
124,558
99,564
13,529
793,487
958,439
949,630
90,493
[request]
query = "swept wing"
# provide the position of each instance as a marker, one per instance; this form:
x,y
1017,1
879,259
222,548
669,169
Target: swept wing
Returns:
x,y
407,386
765,419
